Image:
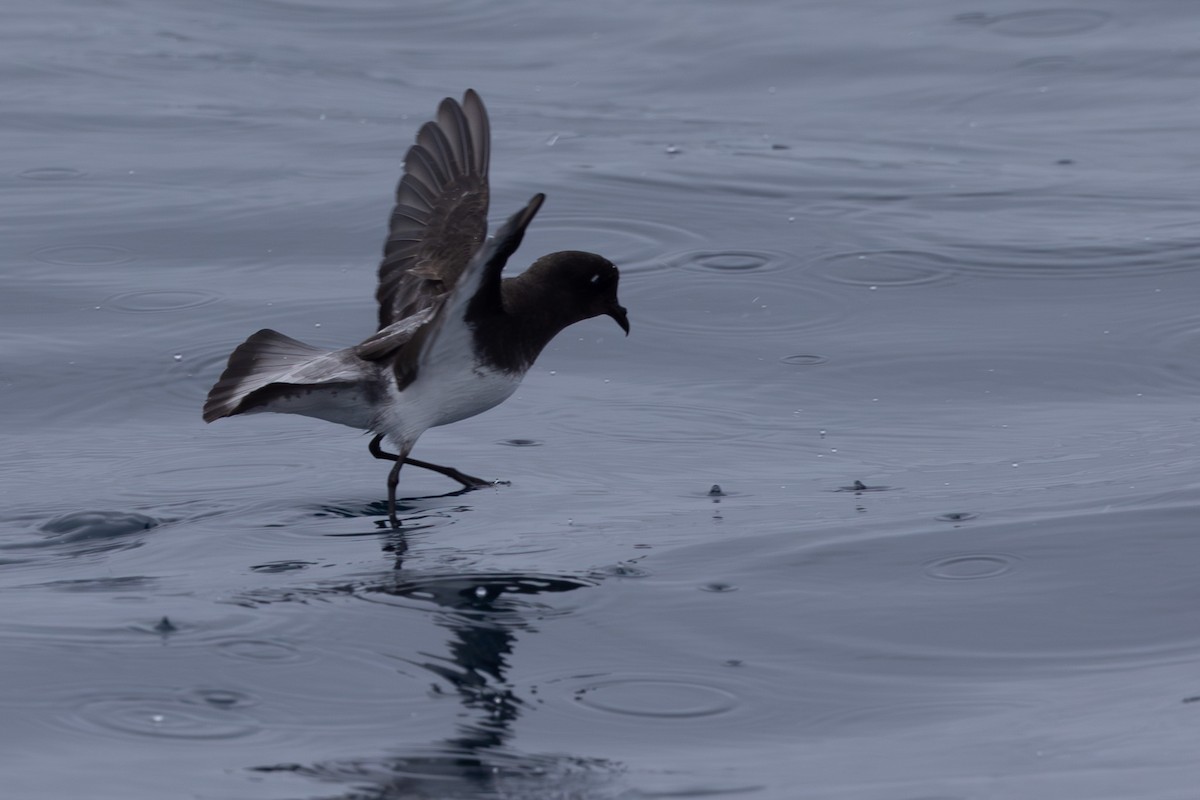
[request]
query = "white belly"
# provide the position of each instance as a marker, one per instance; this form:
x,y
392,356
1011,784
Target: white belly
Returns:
x,y
472,393
441,395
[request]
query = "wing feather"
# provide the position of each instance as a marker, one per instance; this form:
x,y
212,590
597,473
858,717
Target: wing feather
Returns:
x,y
440,216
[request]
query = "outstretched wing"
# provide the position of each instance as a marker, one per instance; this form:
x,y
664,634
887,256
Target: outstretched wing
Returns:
x,y
440,217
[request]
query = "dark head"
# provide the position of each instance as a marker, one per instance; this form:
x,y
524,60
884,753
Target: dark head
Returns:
x,y
584,285
556,291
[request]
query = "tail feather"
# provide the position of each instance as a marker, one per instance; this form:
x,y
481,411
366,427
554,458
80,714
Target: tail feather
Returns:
x,y
273,372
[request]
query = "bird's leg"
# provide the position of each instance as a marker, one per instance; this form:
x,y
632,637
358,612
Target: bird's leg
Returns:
x,y
393,476
468,481
393,479
378,452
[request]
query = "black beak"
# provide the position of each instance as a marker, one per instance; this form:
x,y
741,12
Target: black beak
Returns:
x,y
619,314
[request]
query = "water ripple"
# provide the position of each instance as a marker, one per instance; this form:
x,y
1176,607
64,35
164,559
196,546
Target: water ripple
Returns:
x,y
93,526
656,697
732,261
736,306
82,533
1022,261
224,474
261,650
51,174
1172,339
194,715
1040,23
1062,594
84,255
160,300
804,360
969,567
885,268
871,719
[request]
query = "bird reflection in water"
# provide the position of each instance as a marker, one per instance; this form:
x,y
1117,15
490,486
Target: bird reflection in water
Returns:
x,y
484,614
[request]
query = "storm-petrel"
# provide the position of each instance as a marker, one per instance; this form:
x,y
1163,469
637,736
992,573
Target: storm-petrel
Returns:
x,y
454,339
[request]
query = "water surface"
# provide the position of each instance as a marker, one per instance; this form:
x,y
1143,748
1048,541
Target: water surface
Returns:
x,y
913,284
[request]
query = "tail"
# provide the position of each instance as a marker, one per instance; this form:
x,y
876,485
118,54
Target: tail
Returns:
x,y
273,372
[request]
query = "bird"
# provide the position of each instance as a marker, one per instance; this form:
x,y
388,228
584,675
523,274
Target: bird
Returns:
x,y
454,337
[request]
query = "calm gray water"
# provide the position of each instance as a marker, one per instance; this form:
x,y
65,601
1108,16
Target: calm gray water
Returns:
x,y
915,283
